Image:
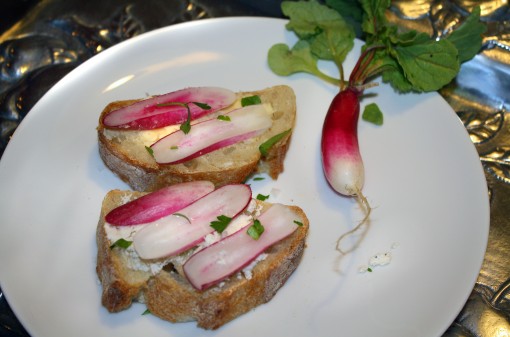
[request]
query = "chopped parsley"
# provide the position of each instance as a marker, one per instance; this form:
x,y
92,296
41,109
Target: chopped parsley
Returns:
x,y
150,150
262,197
250,100
220,224
224,118
186,125
299,223
203,106
255,230
266,146
121,243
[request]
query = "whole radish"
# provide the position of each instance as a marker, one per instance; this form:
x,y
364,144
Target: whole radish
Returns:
x,y
409,61
341,158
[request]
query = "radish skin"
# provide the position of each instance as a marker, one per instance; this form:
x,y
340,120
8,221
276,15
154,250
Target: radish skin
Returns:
x,y
341,158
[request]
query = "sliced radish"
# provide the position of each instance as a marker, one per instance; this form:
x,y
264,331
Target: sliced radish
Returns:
x,y
158,204
155,112
177,232
211,135
226,257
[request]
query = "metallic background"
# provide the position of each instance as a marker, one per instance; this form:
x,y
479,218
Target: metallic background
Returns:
x,y
42,40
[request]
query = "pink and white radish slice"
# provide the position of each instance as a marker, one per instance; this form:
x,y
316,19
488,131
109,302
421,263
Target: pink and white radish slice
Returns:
x,y
341,158
158,204
156,112
211,135
180,231
231,254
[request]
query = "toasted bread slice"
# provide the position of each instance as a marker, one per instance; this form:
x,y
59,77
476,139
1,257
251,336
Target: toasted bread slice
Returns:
x,y
167,293
124,152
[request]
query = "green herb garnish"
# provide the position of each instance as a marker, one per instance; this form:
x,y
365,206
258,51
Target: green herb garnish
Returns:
x,y
220,224
121,243
255,230
258,178
266,146
373,114
369,269
203,106
250,100
146,312
299,223
224,118
150,150
186,125
262,197
174,147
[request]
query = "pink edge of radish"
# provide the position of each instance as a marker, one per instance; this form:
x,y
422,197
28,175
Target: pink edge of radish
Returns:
x,y
341,158
158,204
226,257
176,233
211,135
147,115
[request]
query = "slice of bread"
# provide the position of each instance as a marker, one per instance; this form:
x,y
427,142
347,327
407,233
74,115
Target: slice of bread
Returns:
x,y
166,292
124,152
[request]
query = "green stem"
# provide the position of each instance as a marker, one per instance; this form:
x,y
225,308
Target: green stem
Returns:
x,y
329,79
359,75
363,75
340,67
376,70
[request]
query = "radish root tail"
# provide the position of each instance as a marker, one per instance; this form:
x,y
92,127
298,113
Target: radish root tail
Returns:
x,y
362,200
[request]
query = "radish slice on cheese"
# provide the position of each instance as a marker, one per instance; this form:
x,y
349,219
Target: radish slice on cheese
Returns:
x,y
158,204
177,232
230,255
211,135
155,112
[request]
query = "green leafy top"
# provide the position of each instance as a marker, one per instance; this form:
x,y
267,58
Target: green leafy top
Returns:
x,y
409,61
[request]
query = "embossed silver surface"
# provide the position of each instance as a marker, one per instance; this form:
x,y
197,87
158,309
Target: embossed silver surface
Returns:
x,y
41,41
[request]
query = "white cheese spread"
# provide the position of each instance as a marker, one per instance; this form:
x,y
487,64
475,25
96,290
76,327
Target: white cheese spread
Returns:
x,y
378,260
134,262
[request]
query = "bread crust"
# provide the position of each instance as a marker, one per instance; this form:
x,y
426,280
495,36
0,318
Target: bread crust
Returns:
x,y
144,174
168,294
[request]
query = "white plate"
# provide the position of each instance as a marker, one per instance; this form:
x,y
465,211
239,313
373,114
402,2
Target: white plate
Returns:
x,y
423,177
